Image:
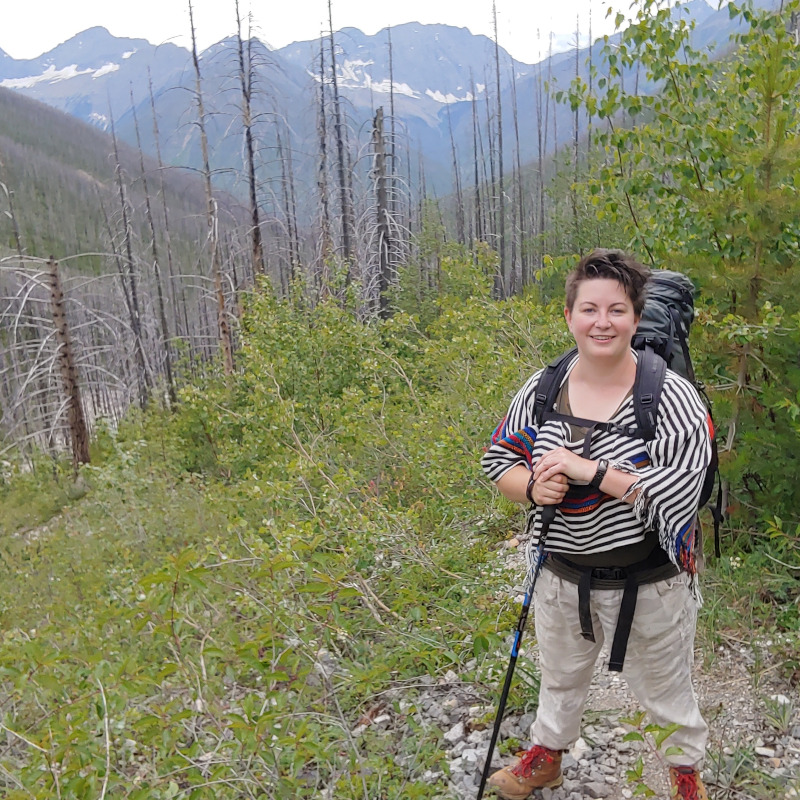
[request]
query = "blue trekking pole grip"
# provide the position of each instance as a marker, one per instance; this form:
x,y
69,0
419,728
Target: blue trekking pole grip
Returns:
x,y
548,515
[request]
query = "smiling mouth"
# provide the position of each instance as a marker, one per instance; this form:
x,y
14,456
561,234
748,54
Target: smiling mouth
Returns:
x,y
600,338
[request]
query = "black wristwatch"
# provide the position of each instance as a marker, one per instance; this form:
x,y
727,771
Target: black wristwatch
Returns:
x,y
602,468
529,490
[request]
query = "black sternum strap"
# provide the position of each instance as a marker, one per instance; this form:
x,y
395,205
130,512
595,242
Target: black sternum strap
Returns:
x,y
591,426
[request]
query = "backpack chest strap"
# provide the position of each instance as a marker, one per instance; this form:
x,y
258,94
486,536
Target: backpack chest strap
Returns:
x,y
591,425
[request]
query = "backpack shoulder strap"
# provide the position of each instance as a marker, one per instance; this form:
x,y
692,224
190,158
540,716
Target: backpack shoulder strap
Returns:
x,y
549,384
651,370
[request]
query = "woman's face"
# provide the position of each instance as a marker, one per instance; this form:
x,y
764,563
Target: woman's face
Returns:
x,y
602,319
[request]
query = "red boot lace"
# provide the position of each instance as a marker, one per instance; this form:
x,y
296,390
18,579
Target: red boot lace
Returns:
x,y
532,759
686,783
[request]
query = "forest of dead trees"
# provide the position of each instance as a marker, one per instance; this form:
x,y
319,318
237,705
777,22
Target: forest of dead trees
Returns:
x,y
151,294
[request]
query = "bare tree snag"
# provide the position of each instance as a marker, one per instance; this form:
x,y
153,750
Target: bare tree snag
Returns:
x,y
382,213
79,435
501,210
342,166
322,176
246,82
142,374
226,340
162,314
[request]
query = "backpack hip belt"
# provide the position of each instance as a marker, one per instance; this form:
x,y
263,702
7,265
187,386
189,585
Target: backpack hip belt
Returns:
x,y
603,578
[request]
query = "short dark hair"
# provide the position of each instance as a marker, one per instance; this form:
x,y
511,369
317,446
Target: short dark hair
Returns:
x,y
616,265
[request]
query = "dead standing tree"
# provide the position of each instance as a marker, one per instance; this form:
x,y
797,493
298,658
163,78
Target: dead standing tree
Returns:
x,y
342,165
503,286
177,289
246,84
79,435
162,314
226,339
326,242
129,273
383,227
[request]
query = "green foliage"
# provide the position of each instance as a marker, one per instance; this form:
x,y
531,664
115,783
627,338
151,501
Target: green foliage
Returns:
x,y
700,168
736,771
238,580
442,273
29,498
779,712
654,736
247,573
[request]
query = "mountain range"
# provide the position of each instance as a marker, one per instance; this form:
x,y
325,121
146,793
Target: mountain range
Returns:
x,y
435,72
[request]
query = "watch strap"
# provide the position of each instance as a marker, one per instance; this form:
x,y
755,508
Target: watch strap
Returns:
x,y
602,468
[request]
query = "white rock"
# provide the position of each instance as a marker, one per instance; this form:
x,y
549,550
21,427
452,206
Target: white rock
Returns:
x,y
455,734
580,749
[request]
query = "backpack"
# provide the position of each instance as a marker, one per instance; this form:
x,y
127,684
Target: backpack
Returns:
x,y
662,340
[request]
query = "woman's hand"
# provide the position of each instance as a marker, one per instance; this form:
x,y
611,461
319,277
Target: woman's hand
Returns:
x,y
566,463
550,491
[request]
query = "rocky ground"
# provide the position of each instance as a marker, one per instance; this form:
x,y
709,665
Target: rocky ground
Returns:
x,y
754,750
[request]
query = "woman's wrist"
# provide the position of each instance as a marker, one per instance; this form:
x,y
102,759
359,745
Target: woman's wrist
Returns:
x,y
602,469
529,489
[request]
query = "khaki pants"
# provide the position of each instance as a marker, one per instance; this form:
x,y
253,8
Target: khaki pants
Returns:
x,y
658,663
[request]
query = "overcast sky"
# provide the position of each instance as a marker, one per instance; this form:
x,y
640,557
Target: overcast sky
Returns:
x,y
29,28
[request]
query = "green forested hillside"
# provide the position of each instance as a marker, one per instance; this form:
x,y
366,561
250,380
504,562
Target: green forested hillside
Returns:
x,y
61,173
233,585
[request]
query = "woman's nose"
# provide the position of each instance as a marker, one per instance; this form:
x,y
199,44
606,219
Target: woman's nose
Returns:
x,y
602,320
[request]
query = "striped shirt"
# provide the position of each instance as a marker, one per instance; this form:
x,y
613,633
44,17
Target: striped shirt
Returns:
x,y
669,473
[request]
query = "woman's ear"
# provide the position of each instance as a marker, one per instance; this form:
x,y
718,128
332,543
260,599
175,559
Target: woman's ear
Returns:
x,y
568,317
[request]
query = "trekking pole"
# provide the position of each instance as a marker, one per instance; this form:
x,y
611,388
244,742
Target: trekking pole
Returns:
x,y
548,514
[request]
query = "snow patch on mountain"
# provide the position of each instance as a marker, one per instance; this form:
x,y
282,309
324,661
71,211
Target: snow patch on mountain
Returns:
x,y
50,75
105,69
448,98
385,87
353,75
53,75
100,120
129,53
366,82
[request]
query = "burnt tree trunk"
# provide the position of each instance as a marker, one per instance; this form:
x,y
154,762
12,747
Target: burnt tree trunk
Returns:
x,y
382,212
246,83
342,165
162,314
142,374
79,434
505,280
226,339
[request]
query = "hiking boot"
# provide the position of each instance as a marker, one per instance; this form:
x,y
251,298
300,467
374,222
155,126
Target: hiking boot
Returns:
x,y
685,784
539,768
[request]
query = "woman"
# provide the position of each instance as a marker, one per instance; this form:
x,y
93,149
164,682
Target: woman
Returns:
x,y
623,535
